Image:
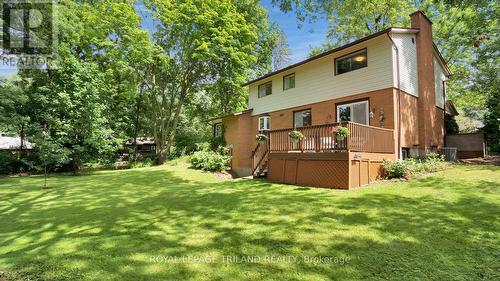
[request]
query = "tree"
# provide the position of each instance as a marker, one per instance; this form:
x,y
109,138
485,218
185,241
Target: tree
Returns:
x,y
281,52
15,108
206,42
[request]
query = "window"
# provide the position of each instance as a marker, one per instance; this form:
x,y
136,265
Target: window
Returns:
x,y
351,62
264,123
302,118
218,130
265,89
289,82
354,112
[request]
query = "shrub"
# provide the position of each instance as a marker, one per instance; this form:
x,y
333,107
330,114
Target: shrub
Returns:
x,y
147,162
203,146
209,161
411,166
396,169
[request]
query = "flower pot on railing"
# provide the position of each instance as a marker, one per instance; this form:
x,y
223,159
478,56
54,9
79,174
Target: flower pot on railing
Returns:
x,y
295,136
340,132
261,138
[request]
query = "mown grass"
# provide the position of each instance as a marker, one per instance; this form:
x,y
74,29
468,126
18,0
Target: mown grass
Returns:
x,y
122,225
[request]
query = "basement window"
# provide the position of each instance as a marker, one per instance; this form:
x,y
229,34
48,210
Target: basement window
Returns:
x,y
351,62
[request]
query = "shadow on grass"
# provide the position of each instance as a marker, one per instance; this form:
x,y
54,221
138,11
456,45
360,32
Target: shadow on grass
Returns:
x,y
112,224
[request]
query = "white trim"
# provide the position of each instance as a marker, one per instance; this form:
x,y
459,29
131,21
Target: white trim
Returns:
x,y
353,103
265,123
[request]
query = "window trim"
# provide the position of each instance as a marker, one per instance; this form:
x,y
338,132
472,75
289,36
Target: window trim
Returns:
x,y
346,56
258,89
351,102
293,117
265,123
285,76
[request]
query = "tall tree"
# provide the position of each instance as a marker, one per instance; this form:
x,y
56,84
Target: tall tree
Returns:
x,y
281,51
206,42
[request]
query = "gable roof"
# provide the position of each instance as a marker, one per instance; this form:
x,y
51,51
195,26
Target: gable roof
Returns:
x,y
390,29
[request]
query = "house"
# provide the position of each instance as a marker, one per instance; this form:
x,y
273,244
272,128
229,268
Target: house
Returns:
x,y
13,144
388,89
145,145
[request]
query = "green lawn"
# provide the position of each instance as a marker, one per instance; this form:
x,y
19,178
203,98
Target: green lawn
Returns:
x,y
123,225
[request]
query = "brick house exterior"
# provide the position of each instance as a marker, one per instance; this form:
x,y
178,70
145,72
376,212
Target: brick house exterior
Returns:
x,y
390,86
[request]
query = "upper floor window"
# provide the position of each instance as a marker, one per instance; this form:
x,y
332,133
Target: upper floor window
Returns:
x,y
264,123
302,118
265,89
289,81
351,62
218,130
355,112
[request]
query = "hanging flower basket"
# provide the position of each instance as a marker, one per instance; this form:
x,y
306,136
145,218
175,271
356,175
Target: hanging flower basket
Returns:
x,y
340,132
295,136
261,138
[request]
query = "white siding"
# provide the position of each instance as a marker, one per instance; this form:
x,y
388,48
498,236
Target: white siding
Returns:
x,y
439,77
315,81
407,62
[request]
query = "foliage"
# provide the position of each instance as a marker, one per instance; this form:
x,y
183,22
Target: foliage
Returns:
x,y
451,125
146,162
411,167
9,163
115,81
261,138
206,46
341,131
209,161
295,135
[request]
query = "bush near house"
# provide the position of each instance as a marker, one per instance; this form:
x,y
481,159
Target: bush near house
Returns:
x,y
209,161
414,166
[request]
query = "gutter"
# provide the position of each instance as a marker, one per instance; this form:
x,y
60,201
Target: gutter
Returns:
x,y
399,93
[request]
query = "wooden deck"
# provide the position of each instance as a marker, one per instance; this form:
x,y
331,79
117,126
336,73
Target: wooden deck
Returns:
x,y
320,138
320,159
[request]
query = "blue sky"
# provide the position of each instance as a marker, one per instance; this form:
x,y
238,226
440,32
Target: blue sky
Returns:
x,y
300,40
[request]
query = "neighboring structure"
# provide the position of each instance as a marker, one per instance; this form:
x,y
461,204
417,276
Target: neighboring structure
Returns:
x,y
387,88
470,145
144,145
13,144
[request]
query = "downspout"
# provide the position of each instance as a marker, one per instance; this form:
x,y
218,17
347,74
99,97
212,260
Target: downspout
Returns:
x,y
399,93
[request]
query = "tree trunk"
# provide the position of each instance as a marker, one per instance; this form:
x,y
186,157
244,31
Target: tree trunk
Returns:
x,y
136,125
173,126
21,144
45,177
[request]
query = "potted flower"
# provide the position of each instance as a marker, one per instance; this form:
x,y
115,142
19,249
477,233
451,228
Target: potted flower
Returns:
x,y
340,132
261,138
295,136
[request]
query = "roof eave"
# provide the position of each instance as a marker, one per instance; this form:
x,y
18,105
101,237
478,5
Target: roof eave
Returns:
x,y
374,35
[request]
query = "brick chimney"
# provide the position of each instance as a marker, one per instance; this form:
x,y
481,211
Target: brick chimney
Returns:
x,y
427,120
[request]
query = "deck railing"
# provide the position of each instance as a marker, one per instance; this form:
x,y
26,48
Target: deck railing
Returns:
x,y
321,138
